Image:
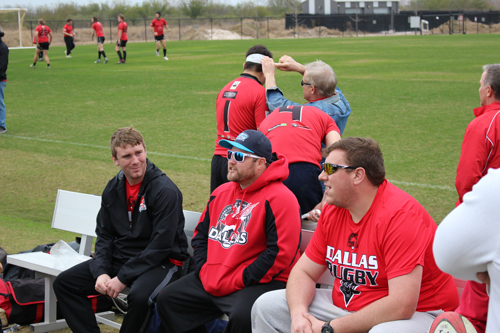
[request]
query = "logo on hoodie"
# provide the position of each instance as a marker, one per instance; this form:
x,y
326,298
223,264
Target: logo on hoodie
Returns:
x,y
142,205
232,223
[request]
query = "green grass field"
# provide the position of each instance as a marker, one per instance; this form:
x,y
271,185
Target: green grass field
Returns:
x,y
414,94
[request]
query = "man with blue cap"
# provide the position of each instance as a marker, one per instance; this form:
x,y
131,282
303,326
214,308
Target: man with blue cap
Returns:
x,y
245,244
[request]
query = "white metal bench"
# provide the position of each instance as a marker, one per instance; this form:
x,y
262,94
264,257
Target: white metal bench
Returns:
x,y
74,212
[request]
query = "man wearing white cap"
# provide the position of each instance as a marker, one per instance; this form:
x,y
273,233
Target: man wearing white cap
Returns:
x,y
241,105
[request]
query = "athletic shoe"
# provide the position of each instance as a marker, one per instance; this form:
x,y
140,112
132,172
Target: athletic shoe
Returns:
x,y
2,130
105,60
48,67
40,58
33,66
98,61
120,62
165,58
68,56
123,61
157,53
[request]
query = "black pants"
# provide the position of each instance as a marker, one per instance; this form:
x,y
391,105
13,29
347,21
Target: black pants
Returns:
x,y
218,173
304,183
185,306
70,44
74,285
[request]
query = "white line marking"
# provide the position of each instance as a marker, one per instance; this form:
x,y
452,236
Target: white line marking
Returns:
x,y
103,147
438,187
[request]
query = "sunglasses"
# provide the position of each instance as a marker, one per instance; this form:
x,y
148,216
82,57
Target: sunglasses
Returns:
x,y
332,168
239,156
302,83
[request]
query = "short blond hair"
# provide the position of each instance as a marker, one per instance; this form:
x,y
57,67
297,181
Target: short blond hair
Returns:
x,y
126,136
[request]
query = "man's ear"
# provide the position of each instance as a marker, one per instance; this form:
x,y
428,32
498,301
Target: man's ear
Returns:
x,y
489,91
359,175
115,161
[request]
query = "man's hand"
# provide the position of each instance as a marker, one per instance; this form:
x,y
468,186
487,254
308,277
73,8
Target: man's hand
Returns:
x,y
484,277
313,215
267,66
315,323
302,325
115,287
288,64
101,284
156,34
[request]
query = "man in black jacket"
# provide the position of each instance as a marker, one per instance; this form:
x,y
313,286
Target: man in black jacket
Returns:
x,y
140,240
4,61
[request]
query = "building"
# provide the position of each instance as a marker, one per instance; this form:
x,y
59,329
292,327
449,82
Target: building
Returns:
x,y
349,7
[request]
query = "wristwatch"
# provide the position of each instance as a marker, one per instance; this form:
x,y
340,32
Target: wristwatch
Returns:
x,y
326,328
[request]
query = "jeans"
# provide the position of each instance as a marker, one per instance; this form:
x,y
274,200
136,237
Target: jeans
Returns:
x,y
2,104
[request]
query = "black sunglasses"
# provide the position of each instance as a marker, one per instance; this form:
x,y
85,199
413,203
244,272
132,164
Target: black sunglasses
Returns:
x,y
332,168
302,83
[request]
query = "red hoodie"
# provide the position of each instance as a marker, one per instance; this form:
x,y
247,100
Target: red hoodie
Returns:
x,y
248,236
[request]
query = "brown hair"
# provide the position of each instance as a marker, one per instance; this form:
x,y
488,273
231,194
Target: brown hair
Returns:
x,y
94,19
41,21
121,16
362,153
126,136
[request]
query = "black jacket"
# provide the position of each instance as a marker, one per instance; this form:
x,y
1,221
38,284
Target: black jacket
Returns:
x,y
4,60
156,233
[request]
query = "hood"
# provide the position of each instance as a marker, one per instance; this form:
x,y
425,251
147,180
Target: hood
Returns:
x,y
276,171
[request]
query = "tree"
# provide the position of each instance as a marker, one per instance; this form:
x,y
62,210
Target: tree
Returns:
x,y
193,8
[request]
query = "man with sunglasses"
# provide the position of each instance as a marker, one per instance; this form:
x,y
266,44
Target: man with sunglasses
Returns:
x,y
240,105
245,244
319,86
376,240
298,132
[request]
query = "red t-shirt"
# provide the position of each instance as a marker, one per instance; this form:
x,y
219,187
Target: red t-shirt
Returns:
x,y
97,26
132,193
68,29
43,32
123,26
297,132
158,25
241,105
394,236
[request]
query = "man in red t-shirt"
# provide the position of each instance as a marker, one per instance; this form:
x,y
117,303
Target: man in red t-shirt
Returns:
x,y
69,37
376,240
156,28
240,105
297,132
98,31
43,38
121,39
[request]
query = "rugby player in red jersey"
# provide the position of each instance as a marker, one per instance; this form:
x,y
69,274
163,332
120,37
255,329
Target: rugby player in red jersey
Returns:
x,y
156,28
69,37
121,39
43,38
98,31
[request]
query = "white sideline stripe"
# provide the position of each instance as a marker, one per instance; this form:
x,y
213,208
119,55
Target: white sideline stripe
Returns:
x,y
103,147
439,187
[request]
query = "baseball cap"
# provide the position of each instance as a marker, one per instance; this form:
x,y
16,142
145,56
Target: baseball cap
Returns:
x,y
252,141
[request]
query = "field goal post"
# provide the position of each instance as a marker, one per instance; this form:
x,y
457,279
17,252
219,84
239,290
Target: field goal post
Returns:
x,y
20,19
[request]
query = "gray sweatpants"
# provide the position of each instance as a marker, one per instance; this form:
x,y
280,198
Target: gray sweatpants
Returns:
x,y
270,314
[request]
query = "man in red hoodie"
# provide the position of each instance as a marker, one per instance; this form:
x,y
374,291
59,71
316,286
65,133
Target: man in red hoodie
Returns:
x,y
245,244
480,152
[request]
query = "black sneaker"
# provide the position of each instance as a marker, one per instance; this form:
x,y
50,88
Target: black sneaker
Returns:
x,y
106,60
2,130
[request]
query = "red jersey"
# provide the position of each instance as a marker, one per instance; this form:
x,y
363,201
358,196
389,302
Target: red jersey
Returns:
x,y
241,105
123,26
97,26
298,131
394,236
158,25
43,32
68,29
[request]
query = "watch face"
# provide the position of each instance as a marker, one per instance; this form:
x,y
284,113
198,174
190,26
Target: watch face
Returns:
x,y
327,328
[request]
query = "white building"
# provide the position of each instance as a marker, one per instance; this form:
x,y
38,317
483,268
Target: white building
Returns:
x,y
327,7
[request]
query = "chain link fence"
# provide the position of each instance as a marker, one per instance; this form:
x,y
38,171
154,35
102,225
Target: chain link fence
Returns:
x,y
300,26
